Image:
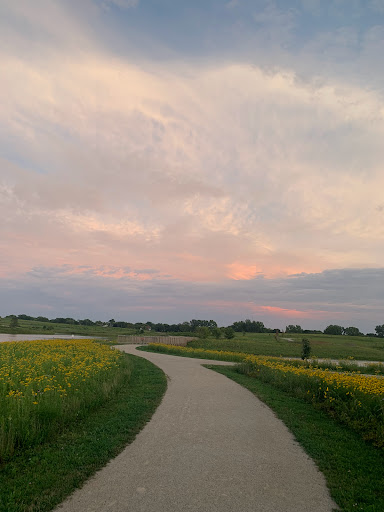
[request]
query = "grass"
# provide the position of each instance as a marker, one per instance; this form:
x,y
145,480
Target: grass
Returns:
x,y
46,384
342,366
351,398
353,468
200,353
35,327
323,346
42,476
208,353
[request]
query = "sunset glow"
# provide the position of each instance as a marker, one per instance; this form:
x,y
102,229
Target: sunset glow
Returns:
x,y
220,160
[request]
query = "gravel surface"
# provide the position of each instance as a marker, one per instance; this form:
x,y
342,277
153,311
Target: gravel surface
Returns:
x,y
210,446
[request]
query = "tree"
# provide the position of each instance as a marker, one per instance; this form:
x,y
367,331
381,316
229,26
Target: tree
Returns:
x,y
335,330
352,331
248,326
290,329
380,330
202,323
86,321
216,333
203,332
13,322
229,333
42,319
25,317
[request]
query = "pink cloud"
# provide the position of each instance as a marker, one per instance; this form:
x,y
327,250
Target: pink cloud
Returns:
x,y
239,271
249,307
295,313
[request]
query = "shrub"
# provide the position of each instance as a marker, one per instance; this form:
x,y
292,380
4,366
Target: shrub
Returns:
x,y
306,348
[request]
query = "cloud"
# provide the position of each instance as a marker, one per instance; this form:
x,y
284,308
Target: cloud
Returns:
x,y
123,4
345,297
273,173
214,172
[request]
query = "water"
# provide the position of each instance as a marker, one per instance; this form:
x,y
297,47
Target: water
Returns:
x,y
27,337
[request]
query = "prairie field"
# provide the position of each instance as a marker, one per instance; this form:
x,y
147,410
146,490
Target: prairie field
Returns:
x,y
352,398
289,345
45,385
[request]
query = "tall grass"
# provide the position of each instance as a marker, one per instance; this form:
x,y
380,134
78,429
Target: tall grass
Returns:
x,y
341,366
176,350
353,399
44,385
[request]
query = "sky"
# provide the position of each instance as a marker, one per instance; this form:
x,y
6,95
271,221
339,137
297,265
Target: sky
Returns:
x,y
164,160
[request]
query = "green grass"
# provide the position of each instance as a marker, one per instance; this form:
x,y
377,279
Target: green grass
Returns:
x,y
323,346
354,469
35,328
40,478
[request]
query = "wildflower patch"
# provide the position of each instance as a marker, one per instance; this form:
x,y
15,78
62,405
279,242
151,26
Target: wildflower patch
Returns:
x,y
46,384
352,398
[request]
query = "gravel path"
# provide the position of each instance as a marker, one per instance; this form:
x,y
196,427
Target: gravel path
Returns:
x,y
211,446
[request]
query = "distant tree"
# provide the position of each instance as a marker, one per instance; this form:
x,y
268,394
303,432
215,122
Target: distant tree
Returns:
x,y
71,321
25,317
86,321
335,330
185,327
202,323
371,335
229,333
111,322
124,325
380,330
248,326
14,322
202,332
352,331
291,329
42,319
61,320
216,333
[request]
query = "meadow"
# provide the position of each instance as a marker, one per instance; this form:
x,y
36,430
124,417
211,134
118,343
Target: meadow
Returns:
x,y
36,327
349,365
44,385
351,398
323,346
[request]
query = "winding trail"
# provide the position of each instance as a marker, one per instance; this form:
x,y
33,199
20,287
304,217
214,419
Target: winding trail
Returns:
x,y
211,446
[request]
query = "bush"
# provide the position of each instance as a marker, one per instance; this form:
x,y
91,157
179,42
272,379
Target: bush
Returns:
x,y
229,333
306,348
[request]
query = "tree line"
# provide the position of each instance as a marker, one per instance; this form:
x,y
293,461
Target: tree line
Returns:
x,y
201,326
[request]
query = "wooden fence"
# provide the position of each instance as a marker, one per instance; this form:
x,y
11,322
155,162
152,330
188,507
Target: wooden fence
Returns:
x,y
144,340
